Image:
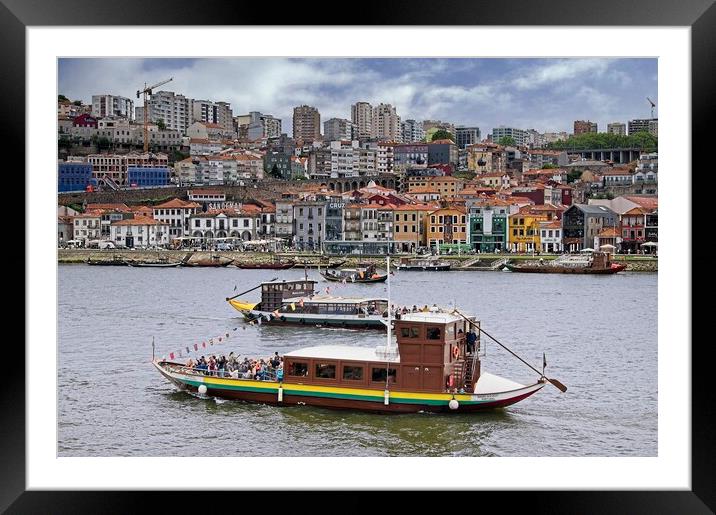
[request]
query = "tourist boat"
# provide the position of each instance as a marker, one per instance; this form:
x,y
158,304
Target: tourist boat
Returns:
x,y
276,265
362,273
596,263
295,302
425,368
427,264
213,260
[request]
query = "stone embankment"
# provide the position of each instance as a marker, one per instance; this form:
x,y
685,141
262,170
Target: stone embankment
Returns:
x,y
469,262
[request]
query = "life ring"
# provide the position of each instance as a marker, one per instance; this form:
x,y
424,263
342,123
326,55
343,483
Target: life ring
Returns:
x,y
455,352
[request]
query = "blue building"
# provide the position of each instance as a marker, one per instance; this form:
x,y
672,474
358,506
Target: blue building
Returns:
x,y
74,176
141,177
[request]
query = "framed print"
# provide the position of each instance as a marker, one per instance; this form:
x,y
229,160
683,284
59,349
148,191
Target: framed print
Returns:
x,y
272,265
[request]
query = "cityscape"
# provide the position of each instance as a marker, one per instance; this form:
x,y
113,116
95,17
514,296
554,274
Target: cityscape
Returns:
x,y
306,246
370,183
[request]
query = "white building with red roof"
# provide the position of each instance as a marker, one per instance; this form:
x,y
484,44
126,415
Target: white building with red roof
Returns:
x,y
176,214
140,231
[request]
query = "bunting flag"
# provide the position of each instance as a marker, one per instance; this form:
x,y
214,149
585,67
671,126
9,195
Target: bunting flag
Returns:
x,y
293,306
187,350
203,345
234,287
227,334
196,346
219,338
171,355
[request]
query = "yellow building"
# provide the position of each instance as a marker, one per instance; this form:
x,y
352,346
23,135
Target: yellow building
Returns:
x,y
446,225
523,232
409,226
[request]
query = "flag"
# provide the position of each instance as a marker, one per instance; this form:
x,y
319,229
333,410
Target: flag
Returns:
x,y
187,350
180,354
203,344
196,346
171,355
219,338
293,306
544,360
234,287
227,334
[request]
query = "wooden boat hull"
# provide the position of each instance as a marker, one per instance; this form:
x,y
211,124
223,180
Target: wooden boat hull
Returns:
x,y
107,263
155,265
333,278
266,266
547,269
427,268
209,263
362,399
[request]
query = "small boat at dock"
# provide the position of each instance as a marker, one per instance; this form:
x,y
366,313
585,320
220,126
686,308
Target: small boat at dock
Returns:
x,y
596,263
276,265
214,260
115,261
362,273
423,264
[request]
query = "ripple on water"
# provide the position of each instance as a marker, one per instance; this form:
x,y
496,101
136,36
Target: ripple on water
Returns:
x,y
111,401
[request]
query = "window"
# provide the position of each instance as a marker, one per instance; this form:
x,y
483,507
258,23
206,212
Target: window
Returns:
x,y
380,375
298,369
352,373
325,371
433,333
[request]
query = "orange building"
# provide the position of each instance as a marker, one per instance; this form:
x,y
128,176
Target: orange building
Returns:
x,y
409,226
446,225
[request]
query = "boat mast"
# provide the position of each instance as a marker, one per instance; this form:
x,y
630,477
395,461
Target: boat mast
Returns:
x,y
387,347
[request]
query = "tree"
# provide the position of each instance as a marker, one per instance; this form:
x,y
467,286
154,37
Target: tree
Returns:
x,y
548,166
78,103
442,134
162,126
507,141
61,98
573,176
275,172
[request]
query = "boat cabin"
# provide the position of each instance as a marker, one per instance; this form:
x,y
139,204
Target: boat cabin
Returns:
x,y
430,357
274,294
333,305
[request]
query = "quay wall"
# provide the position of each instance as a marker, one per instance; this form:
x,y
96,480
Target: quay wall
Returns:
x,y
635,263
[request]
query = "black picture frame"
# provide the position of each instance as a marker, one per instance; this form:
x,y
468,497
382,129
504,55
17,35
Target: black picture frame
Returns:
x,y
700,15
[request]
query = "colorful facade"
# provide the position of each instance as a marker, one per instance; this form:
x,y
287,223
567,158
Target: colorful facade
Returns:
x,y
524,232
446,225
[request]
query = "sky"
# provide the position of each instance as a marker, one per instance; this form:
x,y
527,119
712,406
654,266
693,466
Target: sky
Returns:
x,y
542,94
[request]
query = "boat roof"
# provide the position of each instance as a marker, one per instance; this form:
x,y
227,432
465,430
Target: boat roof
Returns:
x,y
436,317
334,299
290,282
342,352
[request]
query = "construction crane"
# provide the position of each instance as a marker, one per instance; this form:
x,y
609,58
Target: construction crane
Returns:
x,y
653,105
147,91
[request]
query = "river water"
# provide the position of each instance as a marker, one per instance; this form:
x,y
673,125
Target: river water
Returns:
x,y
599,335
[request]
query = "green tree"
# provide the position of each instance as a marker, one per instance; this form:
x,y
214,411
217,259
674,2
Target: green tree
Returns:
x,y
61,98
78,103
442,134
275,172
507,141
162,126
548,166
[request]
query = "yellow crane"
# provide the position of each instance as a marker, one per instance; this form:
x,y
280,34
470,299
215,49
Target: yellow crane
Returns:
x,y
147,91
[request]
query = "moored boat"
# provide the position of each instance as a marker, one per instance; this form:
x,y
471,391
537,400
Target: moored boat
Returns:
x,y
427,367
278,265
596,263
213,260
362,273
115,261
425,264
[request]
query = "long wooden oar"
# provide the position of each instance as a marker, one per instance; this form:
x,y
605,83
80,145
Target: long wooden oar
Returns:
x,y
556,383
247,291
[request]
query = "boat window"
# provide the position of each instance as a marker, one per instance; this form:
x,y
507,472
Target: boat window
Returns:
x,y
352,373
379,375
433,333
325,370
298,368
410,332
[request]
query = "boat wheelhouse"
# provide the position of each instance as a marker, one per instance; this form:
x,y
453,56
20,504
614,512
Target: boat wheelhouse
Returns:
x,y
295,302
427,366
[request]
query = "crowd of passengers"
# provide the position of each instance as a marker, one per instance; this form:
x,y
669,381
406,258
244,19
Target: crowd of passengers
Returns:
x,y
261,369
415,309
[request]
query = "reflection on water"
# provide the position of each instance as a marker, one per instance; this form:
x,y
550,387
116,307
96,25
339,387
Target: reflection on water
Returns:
x,y
599,334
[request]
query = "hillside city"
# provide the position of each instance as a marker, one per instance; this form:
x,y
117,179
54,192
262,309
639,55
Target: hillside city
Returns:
x,y
181,172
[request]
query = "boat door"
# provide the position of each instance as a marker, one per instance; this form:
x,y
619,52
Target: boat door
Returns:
x,y
432,377
411,377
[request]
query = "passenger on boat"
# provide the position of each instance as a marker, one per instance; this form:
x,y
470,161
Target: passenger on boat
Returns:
x,y
434,309
471,338
415,309
425,309
279,373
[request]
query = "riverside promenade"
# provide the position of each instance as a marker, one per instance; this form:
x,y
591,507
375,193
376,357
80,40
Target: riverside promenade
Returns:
x,y
466,262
